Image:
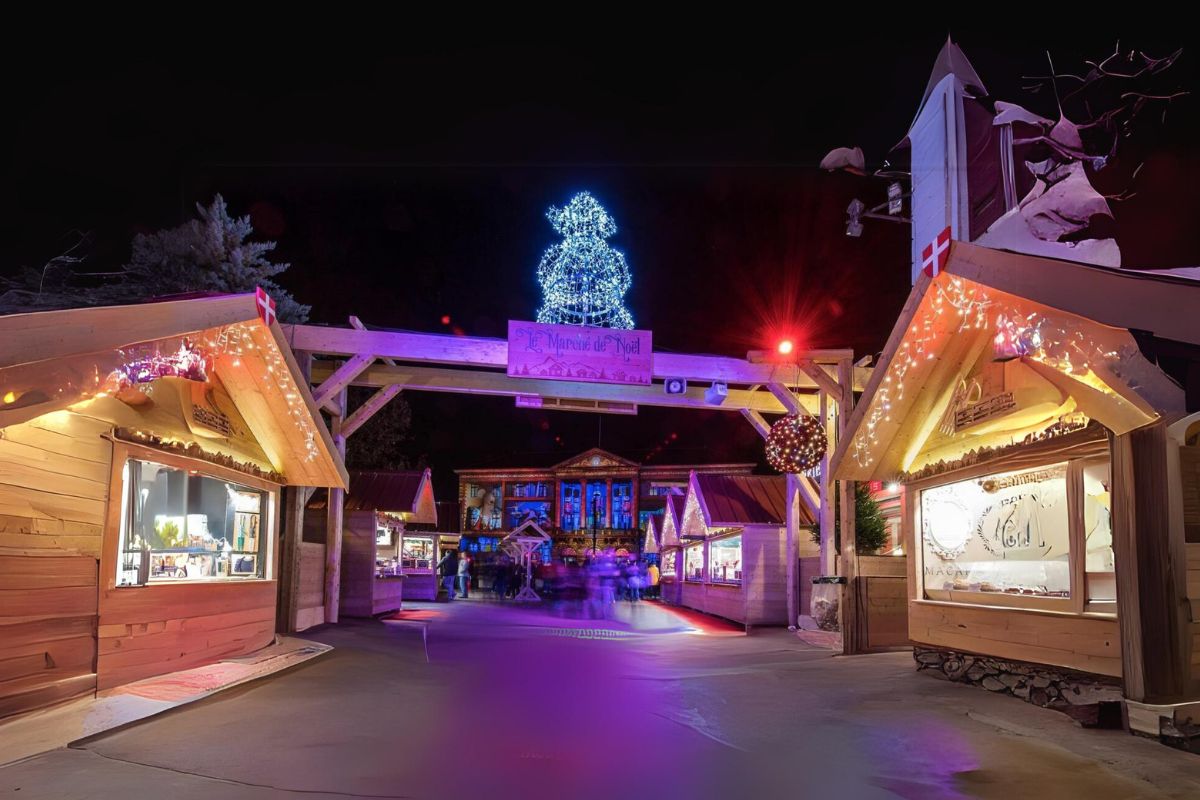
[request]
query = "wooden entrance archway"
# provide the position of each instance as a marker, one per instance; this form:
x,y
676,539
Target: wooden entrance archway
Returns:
x,y
818,382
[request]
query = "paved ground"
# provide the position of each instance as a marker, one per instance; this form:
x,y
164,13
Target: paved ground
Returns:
x,y
479,700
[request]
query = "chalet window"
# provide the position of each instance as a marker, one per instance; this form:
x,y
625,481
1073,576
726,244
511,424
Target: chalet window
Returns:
x,y
1015,538
725,560
418,554
693,562
669,560
181,525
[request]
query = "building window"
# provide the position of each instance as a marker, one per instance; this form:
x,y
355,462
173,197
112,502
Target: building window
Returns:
x,y
1100,570
572,506
693,562
1003,534
669,560
725,560
180,525
622,505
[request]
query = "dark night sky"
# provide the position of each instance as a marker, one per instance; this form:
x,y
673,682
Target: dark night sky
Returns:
x,y
408,181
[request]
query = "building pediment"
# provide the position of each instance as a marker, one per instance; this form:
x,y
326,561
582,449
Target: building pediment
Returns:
x,y
595,459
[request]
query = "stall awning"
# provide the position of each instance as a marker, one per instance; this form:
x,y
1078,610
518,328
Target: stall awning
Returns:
x,y
1058,331
717,502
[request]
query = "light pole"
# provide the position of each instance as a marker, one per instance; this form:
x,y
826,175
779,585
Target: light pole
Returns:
x,y
595,521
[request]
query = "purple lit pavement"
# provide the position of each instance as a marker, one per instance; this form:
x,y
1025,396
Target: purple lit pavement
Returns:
x,y
474,699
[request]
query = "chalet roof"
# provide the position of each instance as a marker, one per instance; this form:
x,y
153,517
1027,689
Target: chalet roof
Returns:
x,y
407,492
730,501
262,377
952,61
674,507
1089,311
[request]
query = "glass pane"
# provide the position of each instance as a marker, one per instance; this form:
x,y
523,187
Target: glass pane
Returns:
x,y
1006,533
622,505
1097,528
693,563
725,560
669,559
418,553
597,505
185,526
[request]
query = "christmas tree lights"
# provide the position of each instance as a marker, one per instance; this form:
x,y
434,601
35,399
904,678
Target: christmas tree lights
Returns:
x,y
796,443
583,280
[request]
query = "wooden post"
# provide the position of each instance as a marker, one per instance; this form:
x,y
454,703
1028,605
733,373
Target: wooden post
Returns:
x,y
1150,560
791,549
828,552
852,628
333,521
295,497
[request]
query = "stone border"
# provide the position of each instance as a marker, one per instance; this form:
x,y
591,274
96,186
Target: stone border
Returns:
x,y
1091,700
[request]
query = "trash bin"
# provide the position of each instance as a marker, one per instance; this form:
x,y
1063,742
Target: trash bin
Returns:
x,y
826,600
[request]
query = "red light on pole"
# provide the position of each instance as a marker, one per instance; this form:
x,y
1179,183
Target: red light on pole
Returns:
x,y
785,347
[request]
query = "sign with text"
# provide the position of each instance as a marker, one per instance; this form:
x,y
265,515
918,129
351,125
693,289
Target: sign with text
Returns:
x,y
577,353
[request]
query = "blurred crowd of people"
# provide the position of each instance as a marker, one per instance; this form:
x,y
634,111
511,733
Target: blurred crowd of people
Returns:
x,y
592,587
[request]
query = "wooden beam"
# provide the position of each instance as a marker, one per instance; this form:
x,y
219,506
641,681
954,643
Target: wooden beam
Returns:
x,y
1150,556
785,397
478,351
368,409
756,419
341,378
487,382
334,523
791,548
828,500
853,630
293,499
824,382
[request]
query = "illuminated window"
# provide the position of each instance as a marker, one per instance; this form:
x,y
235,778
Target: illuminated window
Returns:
x,y
1003,534
725,560
693,562
670,558
183,526
1097,530
417,555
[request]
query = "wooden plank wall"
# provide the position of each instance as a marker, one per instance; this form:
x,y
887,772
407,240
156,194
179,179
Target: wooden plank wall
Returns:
x,y
765,578
1088,644
47,630
1193,593
151,630
882,587
358,564
53,497
310,608
1189,467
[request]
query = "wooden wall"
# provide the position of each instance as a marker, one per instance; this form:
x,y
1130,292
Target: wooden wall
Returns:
x,y
47,630
764,575
310,608
882,586
54,475
1088,644
1193,593
1189,464
150,630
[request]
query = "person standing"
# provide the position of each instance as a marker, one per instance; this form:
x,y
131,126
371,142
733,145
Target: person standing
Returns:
x,y
448,568
653,576
464,575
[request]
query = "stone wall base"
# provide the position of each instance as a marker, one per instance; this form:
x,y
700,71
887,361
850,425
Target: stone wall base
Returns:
x,y
1091,700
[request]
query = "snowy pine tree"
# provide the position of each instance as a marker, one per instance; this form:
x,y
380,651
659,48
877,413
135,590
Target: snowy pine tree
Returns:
x,y
583,279
208,254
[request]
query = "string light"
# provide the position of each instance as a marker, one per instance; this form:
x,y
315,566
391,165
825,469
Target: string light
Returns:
x,y
796,443
583,280
1037,336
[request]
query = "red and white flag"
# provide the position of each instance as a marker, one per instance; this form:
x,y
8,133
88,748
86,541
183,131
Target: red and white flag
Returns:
x,y
266,306
936,254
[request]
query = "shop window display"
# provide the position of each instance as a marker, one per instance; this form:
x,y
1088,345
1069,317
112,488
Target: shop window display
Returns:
x,y
693,562
1007,533
417,554
725,560
1097,528
669,561
183,526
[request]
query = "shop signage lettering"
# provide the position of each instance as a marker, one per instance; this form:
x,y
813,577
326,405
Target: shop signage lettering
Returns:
x,y
577,353
984,410
213,420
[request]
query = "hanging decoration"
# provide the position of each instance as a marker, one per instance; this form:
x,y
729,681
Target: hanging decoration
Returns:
x,y
583,280
796,443
188,362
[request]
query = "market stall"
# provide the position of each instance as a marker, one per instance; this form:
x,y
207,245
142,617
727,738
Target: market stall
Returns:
x,y
380,560
671,556
1042,497
142,454
734,552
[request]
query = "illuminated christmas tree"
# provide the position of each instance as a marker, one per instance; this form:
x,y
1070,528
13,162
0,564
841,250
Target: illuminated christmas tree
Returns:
x,y
583,279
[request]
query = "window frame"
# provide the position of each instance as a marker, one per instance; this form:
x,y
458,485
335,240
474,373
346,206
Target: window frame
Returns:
x,y
118,512
1076,554
708,565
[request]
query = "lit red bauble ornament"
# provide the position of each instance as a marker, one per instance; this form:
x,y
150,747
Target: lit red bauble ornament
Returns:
x,y
796,443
